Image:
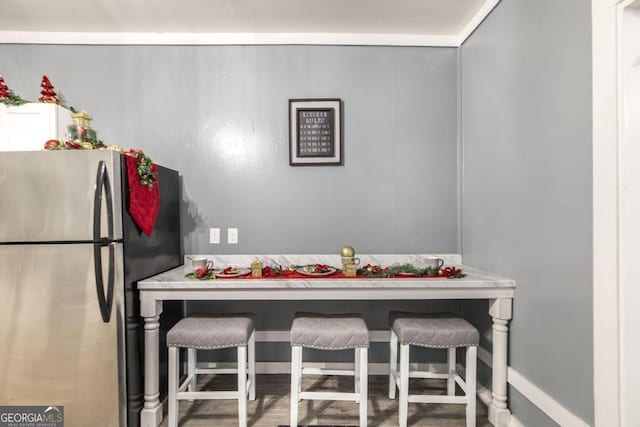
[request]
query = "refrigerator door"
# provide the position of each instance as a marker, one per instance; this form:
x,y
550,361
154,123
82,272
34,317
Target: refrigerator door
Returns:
x,y
60,196
56,347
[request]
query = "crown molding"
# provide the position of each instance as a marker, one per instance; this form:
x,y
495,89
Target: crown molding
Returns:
x,y
337,39
477,19
35,37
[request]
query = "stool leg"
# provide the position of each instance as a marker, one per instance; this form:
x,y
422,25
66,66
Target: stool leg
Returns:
x,y
356,370
470,381
295,383
300,366
242,386
252,366
363,377
451,367
192,361
404,385
173,387
393,364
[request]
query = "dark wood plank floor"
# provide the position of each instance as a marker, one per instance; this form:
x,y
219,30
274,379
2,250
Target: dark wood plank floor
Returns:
x,y
271,407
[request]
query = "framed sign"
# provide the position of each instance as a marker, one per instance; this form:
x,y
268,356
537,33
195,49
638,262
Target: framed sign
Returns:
x,y
315,132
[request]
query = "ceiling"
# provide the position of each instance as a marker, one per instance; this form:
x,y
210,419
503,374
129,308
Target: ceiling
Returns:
x,y
419,20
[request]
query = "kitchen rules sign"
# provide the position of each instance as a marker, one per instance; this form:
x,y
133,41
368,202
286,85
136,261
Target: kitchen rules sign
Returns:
x,y
315,132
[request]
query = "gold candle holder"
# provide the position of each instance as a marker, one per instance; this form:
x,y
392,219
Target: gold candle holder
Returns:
x,y
350,269
347,252
81,118
256,268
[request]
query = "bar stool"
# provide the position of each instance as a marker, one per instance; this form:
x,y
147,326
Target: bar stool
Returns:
x,y
329,332
442,330
209,332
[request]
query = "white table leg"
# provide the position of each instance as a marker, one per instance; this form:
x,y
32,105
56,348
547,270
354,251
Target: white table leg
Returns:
x,y
151,415
500,311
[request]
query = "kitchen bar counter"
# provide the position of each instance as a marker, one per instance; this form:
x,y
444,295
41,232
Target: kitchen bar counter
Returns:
x,y
478,284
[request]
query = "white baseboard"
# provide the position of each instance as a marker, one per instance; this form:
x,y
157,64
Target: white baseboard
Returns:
x,y
514,422
547,404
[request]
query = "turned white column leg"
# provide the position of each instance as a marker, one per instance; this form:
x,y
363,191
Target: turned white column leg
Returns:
x,y
500,311
151,415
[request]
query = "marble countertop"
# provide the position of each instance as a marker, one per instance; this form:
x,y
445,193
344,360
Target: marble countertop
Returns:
x,y
175,278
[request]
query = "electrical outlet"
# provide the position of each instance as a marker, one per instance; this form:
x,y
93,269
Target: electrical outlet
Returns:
x,y
214,236
232,236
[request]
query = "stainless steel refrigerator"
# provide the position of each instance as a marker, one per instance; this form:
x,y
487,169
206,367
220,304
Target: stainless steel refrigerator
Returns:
x,y
70,259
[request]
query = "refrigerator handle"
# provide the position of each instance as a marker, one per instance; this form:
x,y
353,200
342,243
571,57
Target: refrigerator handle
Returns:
x,y
105,302
102,182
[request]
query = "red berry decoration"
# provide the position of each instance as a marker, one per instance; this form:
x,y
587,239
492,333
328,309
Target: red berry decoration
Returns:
x,y
47,92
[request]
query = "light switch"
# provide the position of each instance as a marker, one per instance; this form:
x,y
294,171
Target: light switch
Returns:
x,y
214,236
232,236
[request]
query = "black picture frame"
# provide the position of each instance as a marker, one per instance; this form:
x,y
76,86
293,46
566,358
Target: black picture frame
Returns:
x,y
315,132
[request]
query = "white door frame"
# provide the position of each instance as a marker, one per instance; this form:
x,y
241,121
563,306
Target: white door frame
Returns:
x,y
607,185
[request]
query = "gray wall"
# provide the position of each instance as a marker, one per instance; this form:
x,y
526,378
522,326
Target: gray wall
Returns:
x,y
526,123
218,114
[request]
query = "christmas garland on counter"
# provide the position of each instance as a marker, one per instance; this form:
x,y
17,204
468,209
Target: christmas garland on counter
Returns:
x,y
373,271
410,270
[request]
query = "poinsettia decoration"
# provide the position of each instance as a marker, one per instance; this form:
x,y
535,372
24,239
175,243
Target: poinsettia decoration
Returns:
x,y
273,271
452,273
374,271
204,273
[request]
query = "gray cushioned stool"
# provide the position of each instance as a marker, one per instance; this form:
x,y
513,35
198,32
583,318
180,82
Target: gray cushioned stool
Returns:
x,y
329,332
440,330
210,332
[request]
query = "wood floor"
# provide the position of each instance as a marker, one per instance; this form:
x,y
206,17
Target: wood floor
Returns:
x,y
271,407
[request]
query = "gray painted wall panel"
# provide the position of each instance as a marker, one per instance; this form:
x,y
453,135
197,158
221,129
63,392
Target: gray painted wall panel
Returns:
x,y
218,114
527,182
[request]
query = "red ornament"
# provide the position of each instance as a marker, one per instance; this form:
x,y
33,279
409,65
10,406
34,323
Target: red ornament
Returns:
x,y
51,144
5,93
47,92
